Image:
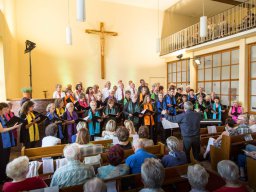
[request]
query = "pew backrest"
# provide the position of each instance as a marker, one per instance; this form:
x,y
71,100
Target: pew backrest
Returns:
x,y
41,152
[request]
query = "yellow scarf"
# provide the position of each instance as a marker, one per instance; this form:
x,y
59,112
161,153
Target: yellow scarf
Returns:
x,y
60,111
33,129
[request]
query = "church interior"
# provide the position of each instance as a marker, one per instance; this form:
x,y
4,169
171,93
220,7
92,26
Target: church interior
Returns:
x,y
128,95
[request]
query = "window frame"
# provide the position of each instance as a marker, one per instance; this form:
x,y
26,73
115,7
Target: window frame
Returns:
x,y
230,94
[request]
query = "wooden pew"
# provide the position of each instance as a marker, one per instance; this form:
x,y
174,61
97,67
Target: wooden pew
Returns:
x,y
158,150
105,143
41,152
54,151
251,172
229,146
173,181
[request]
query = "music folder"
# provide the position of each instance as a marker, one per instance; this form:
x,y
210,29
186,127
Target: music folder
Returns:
x,y
147,112
13,121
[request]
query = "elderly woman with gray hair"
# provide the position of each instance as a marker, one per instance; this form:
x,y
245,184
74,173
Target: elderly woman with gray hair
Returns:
x,y
152,174
175,156
17,171
228,170
198,178
189,123
75,172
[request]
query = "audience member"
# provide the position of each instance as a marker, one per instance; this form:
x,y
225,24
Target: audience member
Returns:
x,y
144,136
243,127
152,175
228,170
175,156
198,178
75,172
135,161
115,157
123,137
110,131
50,138
17,170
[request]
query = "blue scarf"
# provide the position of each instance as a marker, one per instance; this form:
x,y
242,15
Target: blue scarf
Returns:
x,y
7,137
51,117
94,130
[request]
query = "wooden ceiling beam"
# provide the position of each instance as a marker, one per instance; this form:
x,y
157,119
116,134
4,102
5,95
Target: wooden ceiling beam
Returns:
x,y
230,2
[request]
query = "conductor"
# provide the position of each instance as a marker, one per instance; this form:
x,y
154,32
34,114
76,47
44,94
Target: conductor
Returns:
x,y
189,123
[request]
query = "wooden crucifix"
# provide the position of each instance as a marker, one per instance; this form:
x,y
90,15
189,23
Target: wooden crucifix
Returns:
x,y
102,34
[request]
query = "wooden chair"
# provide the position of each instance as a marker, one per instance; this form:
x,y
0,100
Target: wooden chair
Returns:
x,y
41,152
230,146
251,172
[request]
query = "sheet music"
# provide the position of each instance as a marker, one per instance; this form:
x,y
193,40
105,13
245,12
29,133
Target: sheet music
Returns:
x,y
115,140
135,137
61,162
169,125
86,118
211,129
142,112
48,165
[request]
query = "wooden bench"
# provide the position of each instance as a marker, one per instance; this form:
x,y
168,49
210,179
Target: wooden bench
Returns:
x,y
173,181
158,150
251,172
230,146
41,152
54,151
105,143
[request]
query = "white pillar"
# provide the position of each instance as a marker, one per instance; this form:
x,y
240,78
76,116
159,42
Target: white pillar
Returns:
x,y
243,74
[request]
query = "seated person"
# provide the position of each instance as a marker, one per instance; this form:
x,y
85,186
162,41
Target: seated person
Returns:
x,y
198,178
123,138
50,138
135,161
229,131
152,175
243,127
86,148
250,152
175,156
228,170
110,131
75,172
144,136
115,157
95,184
79,126
252,123
129,125
17,171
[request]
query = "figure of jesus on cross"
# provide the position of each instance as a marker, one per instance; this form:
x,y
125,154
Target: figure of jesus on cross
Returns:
x,y
102,34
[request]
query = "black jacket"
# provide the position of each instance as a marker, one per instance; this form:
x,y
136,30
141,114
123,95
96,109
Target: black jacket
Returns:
x,y
189,122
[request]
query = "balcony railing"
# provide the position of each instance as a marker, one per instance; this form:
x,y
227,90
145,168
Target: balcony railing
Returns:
x,y
237,19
